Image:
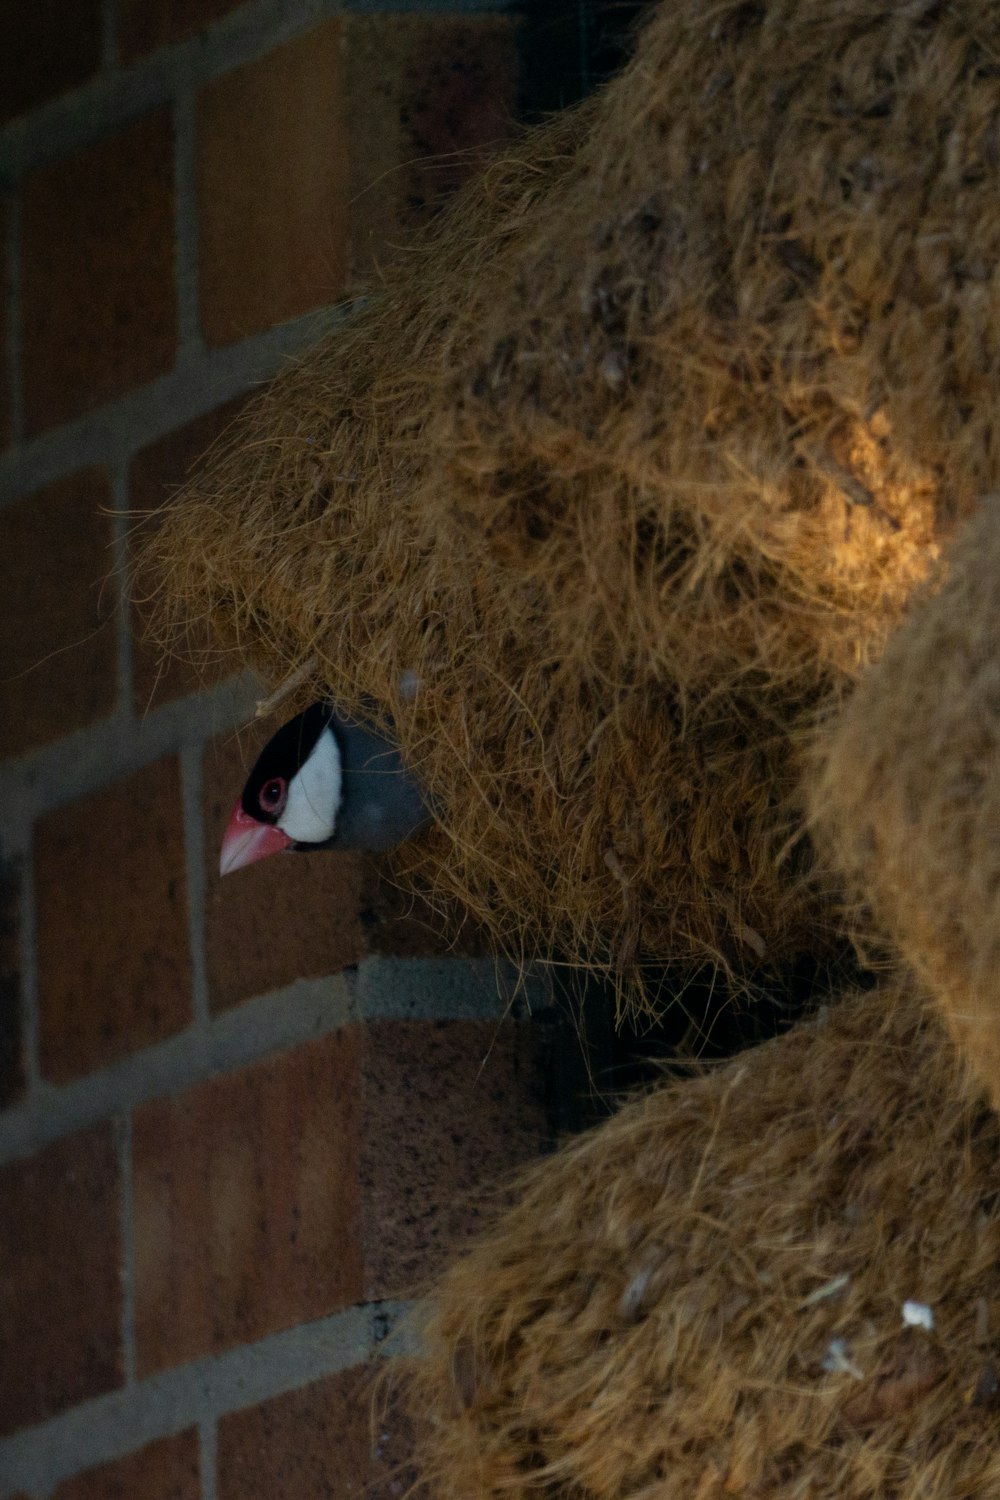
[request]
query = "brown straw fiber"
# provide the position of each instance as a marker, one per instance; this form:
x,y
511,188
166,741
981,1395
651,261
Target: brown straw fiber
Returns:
x,y
634,462
907,794
703,1297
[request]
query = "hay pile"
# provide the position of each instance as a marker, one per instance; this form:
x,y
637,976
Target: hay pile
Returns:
x,y
703,1298
635,462
908,794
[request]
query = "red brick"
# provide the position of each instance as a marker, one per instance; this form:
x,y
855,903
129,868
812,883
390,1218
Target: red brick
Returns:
x,y
164,1470
56,612
11,1061
449,1109
272,178
49,47
317,1443
143,27
155,474
113,969
99,308
59,1278
246,1205
426,97
295,916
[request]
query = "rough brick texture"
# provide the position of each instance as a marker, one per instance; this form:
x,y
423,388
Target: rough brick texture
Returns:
x,y
333,1440
245,1203
155,473
427,95
49,47
99,308
143,26
11,1061
56,612
165,1470
295,916
113,969
59,1288
450,1109
272,174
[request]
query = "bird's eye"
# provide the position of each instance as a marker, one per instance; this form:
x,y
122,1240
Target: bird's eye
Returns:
x,y
272,794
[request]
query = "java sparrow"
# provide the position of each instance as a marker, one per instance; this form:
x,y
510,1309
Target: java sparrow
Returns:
x,y
323,782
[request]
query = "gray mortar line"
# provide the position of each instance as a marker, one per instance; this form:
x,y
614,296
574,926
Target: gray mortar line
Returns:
x,y
39,783
198,383
190,342
112,749
383,989
106,102
395,1329
260,1027
123,1141
453,988
208,1458
194,853
38,1458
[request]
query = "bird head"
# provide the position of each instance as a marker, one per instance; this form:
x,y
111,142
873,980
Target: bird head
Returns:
x,y
322,782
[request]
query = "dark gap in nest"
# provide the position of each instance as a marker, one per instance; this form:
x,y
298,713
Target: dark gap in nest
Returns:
x,y
568,48
704,1018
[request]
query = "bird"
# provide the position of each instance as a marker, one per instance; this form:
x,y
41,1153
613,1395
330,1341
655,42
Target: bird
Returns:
x,y
323,782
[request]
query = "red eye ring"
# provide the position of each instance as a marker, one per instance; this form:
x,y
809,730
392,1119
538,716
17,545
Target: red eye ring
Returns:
x,y
272,794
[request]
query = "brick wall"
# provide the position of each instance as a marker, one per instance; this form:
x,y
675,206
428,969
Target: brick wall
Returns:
x,y
240,1123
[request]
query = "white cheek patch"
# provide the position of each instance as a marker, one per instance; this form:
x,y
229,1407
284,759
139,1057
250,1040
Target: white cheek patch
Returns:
x,y
310,814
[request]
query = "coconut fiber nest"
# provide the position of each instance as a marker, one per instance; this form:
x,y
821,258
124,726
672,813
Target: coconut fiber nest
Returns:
x,y
907,795
704,1297
633,463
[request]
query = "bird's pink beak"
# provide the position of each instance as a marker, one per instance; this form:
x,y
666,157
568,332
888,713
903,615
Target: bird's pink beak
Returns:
x,y
246,841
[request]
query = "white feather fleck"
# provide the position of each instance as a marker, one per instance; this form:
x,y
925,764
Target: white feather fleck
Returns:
x,y
918,1315
837,1360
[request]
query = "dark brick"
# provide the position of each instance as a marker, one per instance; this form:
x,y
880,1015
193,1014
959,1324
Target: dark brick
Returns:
x,y
294,916
6,424
246,1203
155,474
59,1278
113,967
272,178
164,1470
99,306
56,612
427,96
11,1061
450,1108
144,26
49,47
337,1439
